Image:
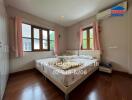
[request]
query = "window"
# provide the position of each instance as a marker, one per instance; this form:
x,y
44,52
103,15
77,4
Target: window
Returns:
x,y
26,35
52,40
87,43
37,38
45,39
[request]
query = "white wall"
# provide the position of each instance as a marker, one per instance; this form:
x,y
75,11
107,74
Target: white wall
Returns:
x,y
116,32
4,65
27,62
114,37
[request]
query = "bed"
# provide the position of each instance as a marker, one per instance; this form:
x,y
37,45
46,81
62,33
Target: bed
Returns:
x,y
67,80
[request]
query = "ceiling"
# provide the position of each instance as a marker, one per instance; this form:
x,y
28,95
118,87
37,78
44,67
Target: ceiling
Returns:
x,y
63,12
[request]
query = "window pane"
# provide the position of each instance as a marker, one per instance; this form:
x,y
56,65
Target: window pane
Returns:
x,y
36,33
26,30
52,35
91,43
45,44
85,34
84,44
36,44
91,33
44,33
26,44
52,44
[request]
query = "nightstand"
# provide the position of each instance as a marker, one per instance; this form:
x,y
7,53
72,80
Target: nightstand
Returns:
x,y
105,67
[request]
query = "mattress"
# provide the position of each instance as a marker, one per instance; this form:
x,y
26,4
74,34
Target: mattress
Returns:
x,y
66,77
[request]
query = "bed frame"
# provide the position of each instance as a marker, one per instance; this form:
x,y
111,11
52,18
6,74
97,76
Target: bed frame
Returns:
x,y
68,89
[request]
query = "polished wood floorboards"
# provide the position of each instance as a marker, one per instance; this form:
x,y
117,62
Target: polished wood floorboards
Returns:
x,y
31,85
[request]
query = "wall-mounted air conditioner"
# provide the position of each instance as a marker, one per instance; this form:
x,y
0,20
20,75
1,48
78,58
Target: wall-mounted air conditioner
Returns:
x,y
103,14
117,10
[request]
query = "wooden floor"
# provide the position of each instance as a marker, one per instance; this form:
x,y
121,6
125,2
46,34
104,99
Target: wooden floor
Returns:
x,y
30,85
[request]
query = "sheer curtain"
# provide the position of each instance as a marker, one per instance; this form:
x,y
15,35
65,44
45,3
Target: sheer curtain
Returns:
x,y
56,49
96,36
18,37
81,38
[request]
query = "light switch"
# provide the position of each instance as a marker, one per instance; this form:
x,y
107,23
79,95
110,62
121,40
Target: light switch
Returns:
x,y
0,44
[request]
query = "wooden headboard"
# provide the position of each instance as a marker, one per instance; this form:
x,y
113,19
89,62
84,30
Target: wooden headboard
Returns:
x,y
93,53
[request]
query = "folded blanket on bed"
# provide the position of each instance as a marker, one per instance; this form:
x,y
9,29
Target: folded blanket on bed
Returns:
x,y
67,65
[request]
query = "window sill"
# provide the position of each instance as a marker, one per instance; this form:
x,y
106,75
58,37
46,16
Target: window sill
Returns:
x,y
39,51
87,49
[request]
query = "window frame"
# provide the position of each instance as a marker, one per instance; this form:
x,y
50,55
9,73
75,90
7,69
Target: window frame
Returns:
x,y
51,40
27,37
48,42
40,38
88,38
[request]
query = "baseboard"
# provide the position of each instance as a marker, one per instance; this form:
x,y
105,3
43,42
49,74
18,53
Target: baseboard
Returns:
x,y
122,73
5,85
15,69
21,72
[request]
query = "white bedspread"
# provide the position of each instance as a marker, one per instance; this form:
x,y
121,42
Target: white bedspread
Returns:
x,y
66,77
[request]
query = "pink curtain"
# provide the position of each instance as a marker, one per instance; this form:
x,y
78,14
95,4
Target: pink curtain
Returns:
x,y
18,37
96,36
81,37
56,50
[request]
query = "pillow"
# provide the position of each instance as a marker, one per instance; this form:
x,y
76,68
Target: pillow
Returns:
x,y
85,57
